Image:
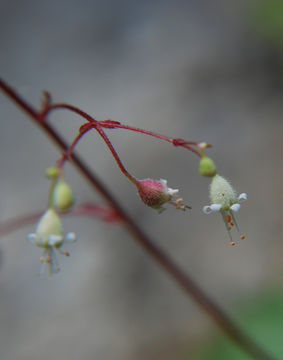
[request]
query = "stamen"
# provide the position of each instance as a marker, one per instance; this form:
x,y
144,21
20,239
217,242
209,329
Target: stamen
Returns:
x,y
234,221
65,253
243,237
228,218
228,228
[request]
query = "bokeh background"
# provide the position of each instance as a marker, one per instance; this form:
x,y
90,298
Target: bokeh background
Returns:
x,y
201,70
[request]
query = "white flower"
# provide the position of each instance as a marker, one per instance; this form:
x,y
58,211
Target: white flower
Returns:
x,y
224,199
49,236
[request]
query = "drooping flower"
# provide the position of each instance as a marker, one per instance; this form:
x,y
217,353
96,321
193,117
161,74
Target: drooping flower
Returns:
x,y
155,193
224,199
49,236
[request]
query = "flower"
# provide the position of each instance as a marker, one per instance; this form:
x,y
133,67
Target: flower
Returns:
x,y
49,236
225,200
155,193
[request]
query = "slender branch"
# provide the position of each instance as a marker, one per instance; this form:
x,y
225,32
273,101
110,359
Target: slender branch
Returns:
x,y
91,210
112,124
184,280
114,153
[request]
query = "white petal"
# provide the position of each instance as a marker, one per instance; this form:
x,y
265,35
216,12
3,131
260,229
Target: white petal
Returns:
x,y
172,191
71,237
163,182
215,207
32,238
55,240
235,207
206,209
242,197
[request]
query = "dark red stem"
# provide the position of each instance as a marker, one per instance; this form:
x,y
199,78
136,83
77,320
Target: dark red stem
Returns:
x,y
184,280
112,124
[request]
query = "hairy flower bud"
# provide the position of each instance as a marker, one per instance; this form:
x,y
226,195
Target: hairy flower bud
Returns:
x,y
155,193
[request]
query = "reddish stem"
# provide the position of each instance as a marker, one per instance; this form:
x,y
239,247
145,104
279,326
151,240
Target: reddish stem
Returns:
x,y
114,153
112,124
185,281
105,213
94,124
67,154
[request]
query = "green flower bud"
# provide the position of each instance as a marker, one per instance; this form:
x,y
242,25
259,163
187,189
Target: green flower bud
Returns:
x,y
207,166
63,197
52,172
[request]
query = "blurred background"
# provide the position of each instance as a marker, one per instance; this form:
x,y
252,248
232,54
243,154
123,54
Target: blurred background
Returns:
x,y
201,70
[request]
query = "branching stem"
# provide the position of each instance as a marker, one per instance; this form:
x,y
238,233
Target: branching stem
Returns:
x,y
189,286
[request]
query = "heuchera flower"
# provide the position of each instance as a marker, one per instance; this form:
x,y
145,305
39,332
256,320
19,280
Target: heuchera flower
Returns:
x,y
225,200
155,193
49,236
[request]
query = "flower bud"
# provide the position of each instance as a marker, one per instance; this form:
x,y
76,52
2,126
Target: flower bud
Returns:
x,y
52,172
207,166
63,197
155,193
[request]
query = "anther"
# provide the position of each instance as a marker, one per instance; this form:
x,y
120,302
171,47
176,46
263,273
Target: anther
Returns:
x,y
232,243
243,237
228,218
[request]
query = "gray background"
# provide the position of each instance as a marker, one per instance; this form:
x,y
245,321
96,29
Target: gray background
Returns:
x,y
191,69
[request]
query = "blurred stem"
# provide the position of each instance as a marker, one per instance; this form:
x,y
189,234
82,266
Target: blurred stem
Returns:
x,y
185,282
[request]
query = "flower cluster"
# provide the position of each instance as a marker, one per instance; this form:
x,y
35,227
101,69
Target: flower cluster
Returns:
x,y
49,231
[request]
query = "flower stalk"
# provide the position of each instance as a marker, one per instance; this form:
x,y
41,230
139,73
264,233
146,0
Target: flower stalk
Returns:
x,y
185,281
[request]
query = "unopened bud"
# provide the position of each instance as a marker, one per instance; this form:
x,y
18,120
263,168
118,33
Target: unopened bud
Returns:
x,y
63,197
155,193
207,166
52,172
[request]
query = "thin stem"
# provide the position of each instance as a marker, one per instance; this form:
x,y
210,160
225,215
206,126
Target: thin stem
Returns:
x,y
67,154
185,281
111,124
91,210
114,153
98,128
51,192
173,141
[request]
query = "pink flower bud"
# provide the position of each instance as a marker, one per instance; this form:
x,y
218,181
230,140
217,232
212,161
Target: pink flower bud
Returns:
x,y
155,193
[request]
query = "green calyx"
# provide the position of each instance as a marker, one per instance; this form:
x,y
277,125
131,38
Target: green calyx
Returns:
x,y
207,166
